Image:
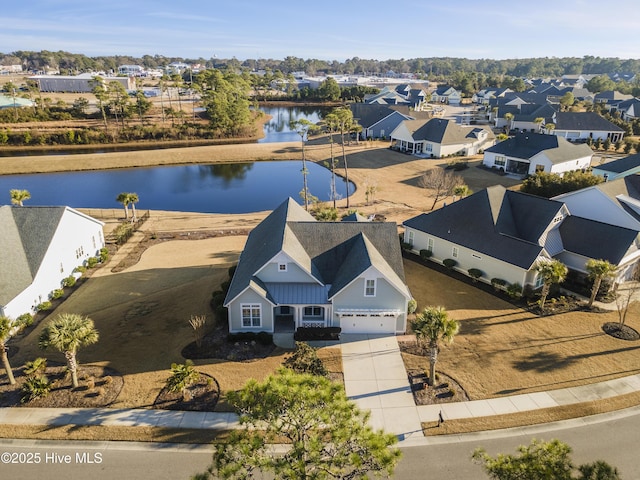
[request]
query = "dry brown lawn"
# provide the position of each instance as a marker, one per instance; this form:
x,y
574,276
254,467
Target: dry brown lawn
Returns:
x,y
504,350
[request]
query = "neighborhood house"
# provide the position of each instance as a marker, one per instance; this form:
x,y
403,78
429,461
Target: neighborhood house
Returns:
x,y
39,247
297,272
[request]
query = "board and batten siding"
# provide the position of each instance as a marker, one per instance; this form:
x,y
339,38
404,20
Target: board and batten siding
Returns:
x,y
293,274
568,166
250,297
467,259
387,298
77,238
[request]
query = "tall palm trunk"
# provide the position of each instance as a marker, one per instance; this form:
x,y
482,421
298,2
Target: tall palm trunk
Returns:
x,y
333,171
305,192
73,367
433,358
543,295
6,364
346,168
594,290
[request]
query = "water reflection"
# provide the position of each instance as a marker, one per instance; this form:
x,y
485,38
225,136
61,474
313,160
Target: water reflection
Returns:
x,y
215,188
277,128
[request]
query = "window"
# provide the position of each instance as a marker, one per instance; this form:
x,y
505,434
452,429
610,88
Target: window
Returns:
x,y
370,288
500,160
313,311
61,268
410,237
454,252
428,147
251,315
539,281
539,168
93,239
430,244
282,267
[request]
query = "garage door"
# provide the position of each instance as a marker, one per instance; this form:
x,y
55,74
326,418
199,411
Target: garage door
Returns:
x,y
368,324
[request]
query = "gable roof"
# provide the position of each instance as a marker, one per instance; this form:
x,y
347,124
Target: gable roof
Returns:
x,y
334,253
25,236
501,223
584,121
442,131
621,165
368,114
594,239
525,145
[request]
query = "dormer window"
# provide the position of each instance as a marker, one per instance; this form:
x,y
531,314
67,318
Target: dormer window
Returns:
x,y
282,267
370,287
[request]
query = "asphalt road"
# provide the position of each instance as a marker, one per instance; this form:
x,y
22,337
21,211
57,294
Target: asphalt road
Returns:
x,y
614,438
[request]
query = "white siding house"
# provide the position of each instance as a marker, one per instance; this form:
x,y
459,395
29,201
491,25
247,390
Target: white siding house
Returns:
x,y
39,247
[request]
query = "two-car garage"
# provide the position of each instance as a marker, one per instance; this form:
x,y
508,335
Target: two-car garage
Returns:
x,y
368,321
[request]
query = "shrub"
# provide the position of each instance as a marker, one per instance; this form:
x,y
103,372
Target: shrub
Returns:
x,y
183,375
305,360
217,300
80,269
69,281
34,388
107,380
412,306
222,314
57,293
425,254
317,333
92,262
104,254
36,367
475,273
225,286
498,283
232,270
23,321
449,263
263,338
41,307
406,246
514,290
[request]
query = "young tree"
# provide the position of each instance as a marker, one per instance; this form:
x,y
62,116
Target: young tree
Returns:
x,y
626,294
102,96
541,461
302,127
431,327
133,199
551,271
19,196
439,183
327,435
5,329
67,333
123,198
598,270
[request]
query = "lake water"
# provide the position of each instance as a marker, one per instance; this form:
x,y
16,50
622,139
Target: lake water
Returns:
x,y
277,128
219,188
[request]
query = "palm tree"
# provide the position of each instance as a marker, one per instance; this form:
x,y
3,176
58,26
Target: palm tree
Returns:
x,y
183,375
331,123
19,196
551,271
302,128
538,121
550,127
5,329
123,198
67,333
462,190
508,117
133,199
345,122
598,271
430,327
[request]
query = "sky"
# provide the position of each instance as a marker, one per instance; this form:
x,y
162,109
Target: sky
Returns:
x,y
325,30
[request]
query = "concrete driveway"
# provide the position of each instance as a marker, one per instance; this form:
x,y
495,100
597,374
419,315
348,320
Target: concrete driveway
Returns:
x,y
376,379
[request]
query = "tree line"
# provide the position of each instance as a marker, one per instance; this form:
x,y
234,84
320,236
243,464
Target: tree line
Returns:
x,y
428,67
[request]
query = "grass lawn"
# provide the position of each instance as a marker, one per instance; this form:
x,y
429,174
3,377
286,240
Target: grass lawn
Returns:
x,y
504,350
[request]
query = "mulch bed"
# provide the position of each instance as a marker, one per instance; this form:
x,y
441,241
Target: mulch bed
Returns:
x,y
99,387
202,396
622,332
215,345
445,390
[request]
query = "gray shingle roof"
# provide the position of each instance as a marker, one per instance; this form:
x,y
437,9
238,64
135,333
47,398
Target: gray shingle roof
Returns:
x,y
25,236
621,165
587,121
442,131
368,114
335,253
598,240
525,145
497,222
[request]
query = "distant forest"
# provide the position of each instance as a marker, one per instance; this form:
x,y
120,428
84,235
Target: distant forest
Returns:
x,y
437,69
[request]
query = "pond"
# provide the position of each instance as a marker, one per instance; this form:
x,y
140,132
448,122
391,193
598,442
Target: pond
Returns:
x,y
215,188
277,128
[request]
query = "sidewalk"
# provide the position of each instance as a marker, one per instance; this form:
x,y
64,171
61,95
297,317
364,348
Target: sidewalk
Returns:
x,y
375,379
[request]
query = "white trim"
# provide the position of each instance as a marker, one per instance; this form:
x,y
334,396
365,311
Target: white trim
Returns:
x,y
248,287
251,307
275,259
367,287
280,265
